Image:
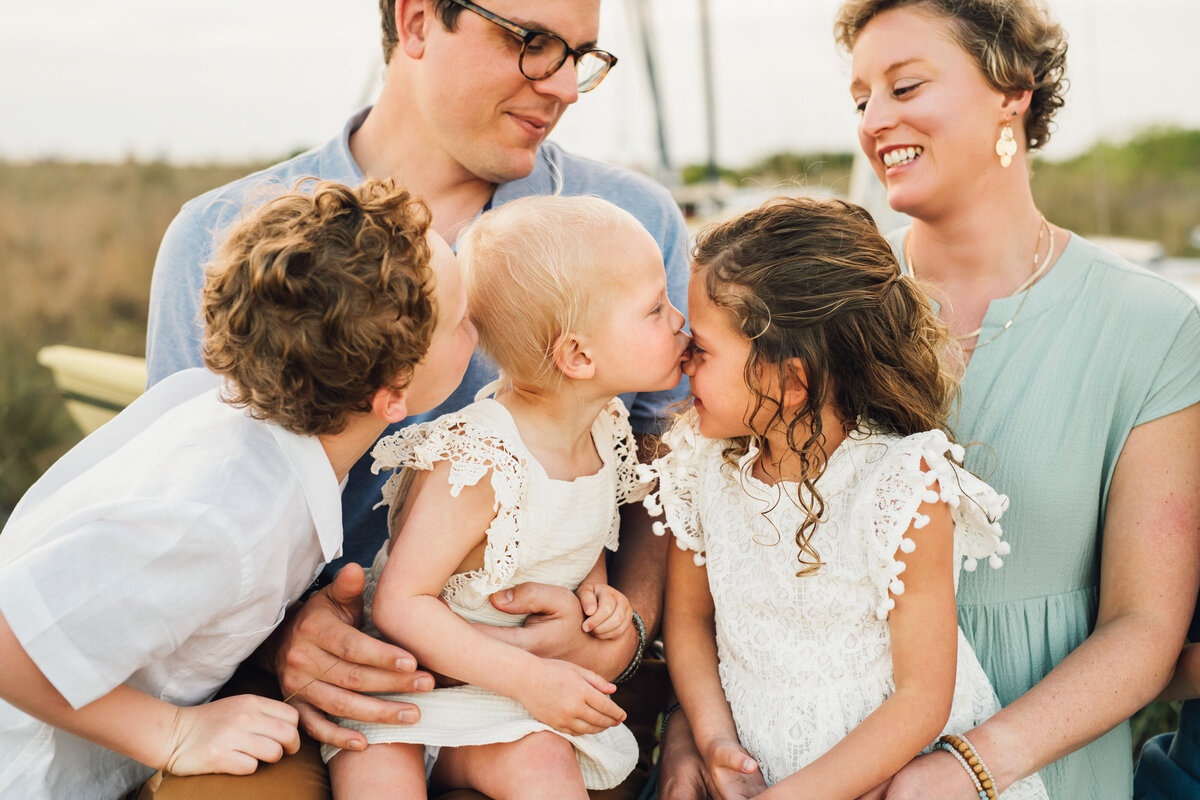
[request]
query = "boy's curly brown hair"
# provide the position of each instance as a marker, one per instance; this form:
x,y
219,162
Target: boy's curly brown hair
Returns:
x,y
318,299
814,280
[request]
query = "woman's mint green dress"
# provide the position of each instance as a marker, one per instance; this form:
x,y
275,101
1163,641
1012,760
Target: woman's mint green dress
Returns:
x,y
1099,347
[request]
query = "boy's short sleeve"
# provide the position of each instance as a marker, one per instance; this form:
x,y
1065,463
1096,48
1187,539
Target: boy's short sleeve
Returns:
x,y
114,593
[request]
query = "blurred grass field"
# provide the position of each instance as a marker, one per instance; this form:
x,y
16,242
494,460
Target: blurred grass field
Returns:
x,y
78,241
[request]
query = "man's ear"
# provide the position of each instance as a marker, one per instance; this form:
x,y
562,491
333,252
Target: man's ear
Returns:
x,y
389,404
572,357
412,25
795,384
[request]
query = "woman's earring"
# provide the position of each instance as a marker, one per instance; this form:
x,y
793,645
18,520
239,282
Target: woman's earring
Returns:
x,y
1006,145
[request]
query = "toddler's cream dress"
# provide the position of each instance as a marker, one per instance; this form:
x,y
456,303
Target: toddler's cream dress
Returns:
x,y
545,530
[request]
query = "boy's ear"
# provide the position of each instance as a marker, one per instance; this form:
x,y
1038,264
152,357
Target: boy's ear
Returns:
x,y
412,21
572,358
389,404
795,384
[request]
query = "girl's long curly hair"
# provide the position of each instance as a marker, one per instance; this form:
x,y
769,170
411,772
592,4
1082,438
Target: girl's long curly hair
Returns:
x,y
814,280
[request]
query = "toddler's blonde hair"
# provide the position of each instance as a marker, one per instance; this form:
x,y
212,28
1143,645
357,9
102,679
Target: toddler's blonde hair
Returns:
x,y
530,268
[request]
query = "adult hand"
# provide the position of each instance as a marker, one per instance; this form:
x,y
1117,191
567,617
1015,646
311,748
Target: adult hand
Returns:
x,y
324,663
554,629
937,776
681,771
230,735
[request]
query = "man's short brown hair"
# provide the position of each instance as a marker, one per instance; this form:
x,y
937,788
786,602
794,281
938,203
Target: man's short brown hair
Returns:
x,y
319,298
446,11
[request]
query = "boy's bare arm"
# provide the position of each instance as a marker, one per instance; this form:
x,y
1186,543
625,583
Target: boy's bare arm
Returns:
x,y
230,735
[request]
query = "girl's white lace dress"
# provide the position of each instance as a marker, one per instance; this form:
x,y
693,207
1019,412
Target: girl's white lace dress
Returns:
x,y
545,530
805,660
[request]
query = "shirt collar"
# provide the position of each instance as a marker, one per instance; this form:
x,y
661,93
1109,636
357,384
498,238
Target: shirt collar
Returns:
x,y
319,484
335,156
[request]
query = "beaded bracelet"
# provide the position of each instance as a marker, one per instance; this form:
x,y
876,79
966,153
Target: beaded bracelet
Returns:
x,y
949,748
635,662
973,763
660,729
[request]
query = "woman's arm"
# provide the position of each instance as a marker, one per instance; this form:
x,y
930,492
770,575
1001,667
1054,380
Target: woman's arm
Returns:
x,y
425,552
692,661
230,735
924,635
1150,560
1185,683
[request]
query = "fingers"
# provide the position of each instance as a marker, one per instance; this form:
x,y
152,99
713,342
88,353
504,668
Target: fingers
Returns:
x,y
322,729
536,598
347,587
588,600
735,758
231,735
340,702
320,632
608,687
612,628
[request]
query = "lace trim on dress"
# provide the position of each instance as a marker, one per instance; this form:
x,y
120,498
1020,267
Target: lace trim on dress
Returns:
x,y
630,487
472,451
901,489
678,477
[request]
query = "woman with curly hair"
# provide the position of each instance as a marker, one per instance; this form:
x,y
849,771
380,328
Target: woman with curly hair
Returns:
x,y
1080,378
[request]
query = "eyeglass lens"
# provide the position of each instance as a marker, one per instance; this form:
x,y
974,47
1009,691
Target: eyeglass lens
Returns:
x,y
544,54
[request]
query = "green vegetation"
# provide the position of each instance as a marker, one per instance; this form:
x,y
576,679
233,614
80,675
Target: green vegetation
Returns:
x,y
77,245
1146,188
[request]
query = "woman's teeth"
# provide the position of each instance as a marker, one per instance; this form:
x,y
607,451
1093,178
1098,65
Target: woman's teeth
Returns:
x,y
901,155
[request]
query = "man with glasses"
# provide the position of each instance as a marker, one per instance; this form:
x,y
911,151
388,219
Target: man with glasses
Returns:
x,y
469,96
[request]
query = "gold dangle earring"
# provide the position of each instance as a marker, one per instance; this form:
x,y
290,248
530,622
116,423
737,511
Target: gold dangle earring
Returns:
x,y
1006,145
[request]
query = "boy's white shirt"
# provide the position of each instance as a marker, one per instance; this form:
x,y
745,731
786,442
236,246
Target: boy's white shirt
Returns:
x,y
158,553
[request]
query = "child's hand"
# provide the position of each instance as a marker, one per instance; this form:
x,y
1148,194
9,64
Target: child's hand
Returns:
x,y
569,698
231,735
607,613
732,770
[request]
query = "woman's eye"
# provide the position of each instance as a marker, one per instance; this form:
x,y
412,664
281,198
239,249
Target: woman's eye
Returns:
x,y
900,91
860,106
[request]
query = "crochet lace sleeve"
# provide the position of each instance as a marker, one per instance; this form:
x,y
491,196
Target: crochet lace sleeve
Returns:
x,y
630,488
473,452
902,485
613,427
678,477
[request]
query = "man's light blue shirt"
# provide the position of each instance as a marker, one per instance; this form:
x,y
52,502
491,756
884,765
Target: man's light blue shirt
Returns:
x,y
176,332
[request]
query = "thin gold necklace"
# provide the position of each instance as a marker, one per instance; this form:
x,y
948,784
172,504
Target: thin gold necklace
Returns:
x,y
1041,263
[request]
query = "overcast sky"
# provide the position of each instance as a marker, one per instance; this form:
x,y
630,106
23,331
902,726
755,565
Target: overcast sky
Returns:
x,y
233,80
